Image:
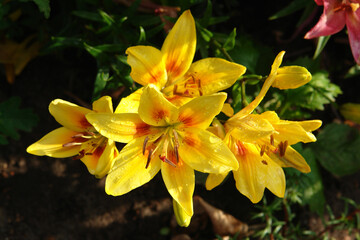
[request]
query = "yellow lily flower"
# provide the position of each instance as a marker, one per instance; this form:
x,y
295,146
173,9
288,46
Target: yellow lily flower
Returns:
x,y
163,136
77,137
261,142
15,56
172,71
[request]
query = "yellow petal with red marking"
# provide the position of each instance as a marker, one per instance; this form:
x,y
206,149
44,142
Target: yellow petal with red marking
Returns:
x,y
257,172
103,104
205,152
128,171
179,46
120,127
180,182
214,74
291,159
155,109
70,115
101,159
147,65
200,111
52,144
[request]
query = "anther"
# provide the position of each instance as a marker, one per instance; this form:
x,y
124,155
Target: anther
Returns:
x,y
71,144
272,140
264,162
144,145
176,145
262,151
148,159
164,159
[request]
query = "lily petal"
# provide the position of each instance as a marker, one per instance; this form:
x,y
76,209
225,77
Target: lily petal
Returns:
x,y
147,65
52,144
330,22
130,104
103,104
180,182
257,172
200,111
155,109
70,115
205,152
250,128
101,160
353,26
120,127
214,180
291,159
215,74
128,171
179,46
267,84
291,131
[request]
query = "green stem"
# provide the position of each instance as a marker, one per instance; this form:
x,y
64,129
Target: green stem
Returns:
x,y
243,94
222,50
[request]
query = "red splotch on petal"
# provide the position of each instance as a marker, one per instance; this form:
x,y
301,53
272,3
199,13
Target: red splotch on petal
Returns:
x,y
173,69
84,123
156,77
160,114
240,148
98,152
142,129
186,119
191,141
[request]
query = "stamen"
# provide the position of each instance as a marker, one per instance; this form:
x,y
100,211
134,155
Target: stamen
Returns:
x,y
144,145
176,145
148,159
80,155
262,151
164,159
71,144
264,162
272,140
282,148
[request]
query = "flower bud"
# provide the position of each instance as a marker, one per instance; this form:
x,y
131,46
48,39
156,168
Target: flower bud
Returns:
x,y
290,77
181,217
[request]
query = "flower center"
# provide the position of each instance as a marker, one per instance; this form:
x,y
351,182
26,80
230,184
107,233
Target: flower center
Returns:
x,y
166,147
189,86
90,142
280,149
347,5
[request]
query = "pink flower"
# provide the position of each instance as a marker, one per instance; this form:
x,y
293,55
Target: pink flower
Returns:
x,y
337,14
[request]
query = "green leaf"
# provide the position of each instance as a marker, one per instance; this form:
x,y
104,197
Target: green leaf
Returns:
x,y
12,119
205,34
320,45
92,16
289,9
102,77
142,36
44,7
230,41
314,95
337,149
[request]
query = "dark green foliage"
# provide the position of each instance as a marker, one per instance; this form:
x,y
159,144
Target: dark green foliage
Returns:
x,y
13,119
